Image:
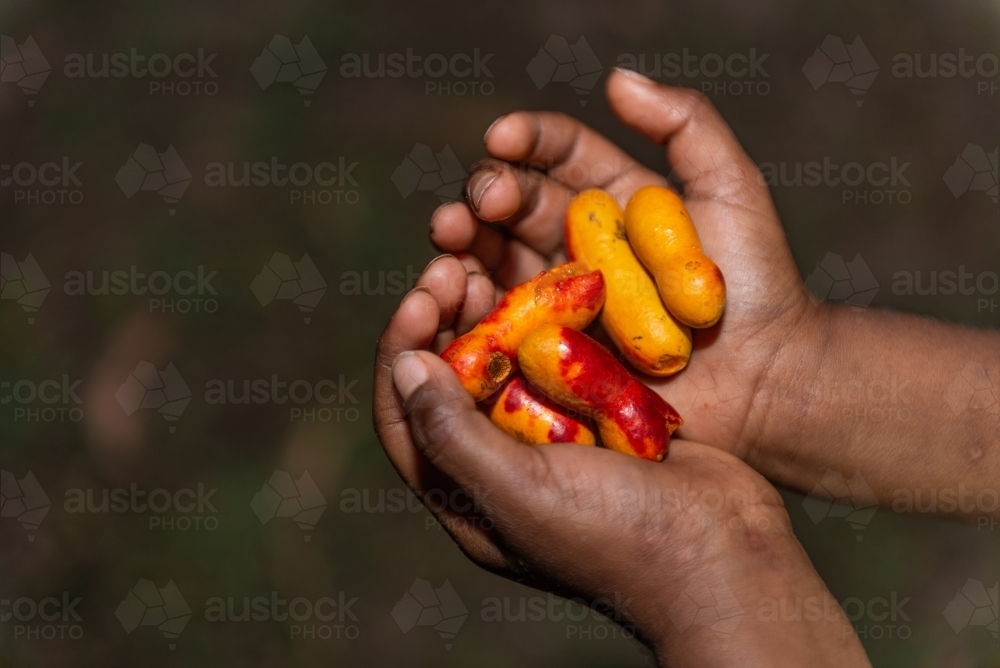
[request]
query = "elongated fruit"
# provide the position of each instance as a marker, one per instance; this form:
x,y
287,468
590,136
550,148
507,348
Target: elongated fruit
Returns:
x,y
578,373
530,417
634,315
569,294
664,238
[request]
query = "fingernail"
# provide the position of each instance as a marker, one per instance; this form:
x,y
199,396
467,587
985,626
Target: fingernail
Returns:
x,y
408,373
478,186
439,257
486,135
435,215
419,288
634,76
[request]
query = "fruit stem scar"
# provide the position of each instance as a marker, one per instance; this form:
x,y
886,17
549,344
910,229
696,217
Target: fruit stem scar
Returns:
x,y
499,367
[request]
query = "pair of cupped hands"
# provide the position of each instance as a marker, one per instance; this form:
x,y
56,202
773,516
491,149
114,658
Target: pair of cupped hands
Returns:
x,y
648,544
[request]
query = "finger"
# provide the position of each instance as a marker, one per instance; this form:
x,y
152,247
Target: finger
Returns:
x,y
479,300
531,205
445,278
700,146
412,327
455,229
519,264
457,439
568,151
442,341
471,263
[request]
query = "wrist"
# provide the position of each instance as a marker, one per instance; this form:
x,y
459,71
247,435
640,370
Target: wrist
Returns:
x,y
780,413
738,614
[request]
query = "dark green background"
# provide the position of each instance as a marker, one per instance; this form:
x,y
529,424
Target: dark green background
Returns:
x,y
375,122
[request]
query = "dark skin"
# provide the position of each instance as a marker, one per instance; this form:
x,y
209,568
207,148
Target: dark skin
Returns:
x,y
591,522
761,393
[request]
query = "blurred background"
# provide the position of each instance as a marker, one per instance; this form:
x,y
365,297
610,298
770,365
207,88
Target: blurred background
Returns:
x,y
210,209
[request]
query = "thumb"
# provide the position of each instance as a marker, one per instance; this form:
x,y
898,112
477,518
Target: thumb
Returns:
x,y
455,437
701,148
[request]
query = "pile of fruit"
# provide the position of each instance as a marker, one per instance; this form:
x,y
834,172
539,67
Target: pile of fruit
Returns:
x,y
644,272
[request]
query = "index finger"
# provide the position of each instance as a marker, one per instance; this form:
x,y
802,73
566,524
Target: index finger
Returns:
x,y
569,151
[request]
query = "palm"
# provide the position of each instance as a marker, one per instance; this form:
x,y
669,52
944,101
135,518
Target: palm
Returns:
x,y
716,391
728,202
